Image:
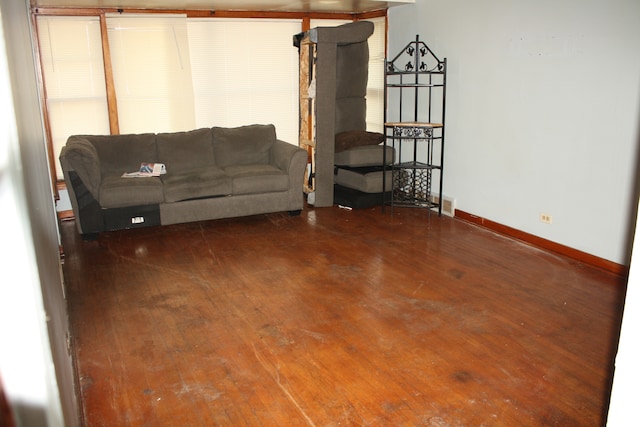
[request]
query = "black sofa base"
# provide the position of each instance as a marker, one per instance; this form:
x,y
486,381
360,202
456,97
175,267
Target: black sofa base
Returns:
x,y
357,199
97,219
131,217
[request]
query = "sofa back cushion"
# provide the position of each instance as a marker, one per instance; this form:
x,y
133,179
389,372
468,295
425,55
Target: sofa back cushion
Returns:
x,y
181,151
124,153
350,114
244,145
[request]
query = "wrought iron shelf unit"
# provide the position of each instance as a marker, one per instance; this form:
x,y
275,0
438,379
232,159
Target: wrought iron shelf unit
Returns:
x,y
415,165
415,94
413,85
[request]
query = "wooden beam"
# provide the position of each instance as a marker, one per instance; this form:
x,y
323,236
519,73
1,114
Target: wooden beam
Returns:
x,y
112,102
45,111
191,13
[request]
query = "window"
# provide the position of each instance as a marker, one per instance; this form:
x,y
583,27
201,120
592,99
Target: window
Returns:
x,y
173,73
245,72
151,72
375,86
73,72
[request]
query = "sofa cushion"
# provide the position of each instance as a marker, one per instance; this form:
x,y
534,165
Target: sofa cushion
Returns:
x,y
352,70
181,151
367,179
124,153
116,191
196,183
350,114
250,179
356,138
244,145
366,155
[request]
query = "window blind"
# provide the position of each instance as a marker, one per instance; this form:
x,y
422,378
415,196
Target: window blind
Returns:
x,y
73,72
151,72
245,72
172,73
375,86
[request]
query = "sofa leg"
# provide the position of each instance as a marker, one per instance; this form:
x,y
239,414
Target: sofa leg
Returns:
x,y
295,213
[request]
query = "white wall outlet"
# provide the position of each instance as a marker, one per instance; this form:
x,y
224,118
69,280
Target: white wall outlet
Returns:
x,y
546,218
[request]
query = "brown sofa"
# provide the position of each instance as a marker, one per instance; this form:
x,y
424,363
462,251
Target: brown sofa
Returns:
x,y
211,173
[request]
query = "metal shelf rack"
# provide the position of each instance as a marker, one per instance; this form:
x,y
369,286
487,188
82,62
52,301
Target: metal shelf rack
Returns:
x,y
415,82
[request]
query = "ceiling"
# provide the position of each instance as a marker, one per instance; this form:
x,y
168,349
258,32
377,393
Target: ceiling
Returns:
x,y
323,6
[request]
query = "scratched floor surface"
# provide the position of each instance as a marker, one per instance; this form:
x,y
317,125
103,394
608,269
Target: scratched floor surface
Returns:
x,y
336,318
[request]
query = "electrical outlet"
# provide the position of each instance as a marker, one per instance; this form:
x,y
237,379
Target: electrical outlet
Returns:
x,y
546,218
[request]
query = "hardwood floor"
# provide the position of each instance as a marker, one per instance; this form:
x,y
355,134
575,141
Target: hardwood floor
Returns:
x,y
337,317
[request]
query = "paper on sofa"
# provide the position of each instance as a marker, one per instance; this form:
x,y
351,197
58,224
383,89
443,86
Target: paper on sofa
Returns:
x,y
147,169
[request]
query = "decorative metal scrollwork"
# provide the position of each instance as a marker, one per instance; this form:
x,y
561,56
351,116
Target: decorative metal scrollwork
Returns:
x,y
413,132
420,57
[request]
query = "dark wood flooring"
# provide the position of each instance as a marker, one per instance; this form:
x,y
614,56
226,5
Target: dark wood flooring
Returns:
x,y
337,318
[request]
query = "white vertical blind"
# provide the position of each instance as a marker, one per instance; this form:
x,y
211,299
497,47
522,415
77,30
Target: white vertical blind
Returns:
x,y
73,71
151,72
245,72
375,86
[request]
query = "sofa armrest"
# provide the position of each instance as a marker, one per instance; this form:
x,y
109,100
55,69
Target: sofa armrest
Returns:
x,y
80,155
292,160
284,155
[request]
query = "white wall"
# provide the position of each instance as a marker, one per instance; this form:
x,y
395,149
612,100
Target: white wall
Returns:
x,y
542,112
25,359
35,364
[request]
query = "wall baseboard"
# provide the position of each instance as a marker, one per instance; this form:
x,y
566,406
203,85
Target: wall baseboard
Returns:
x,y
583,257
